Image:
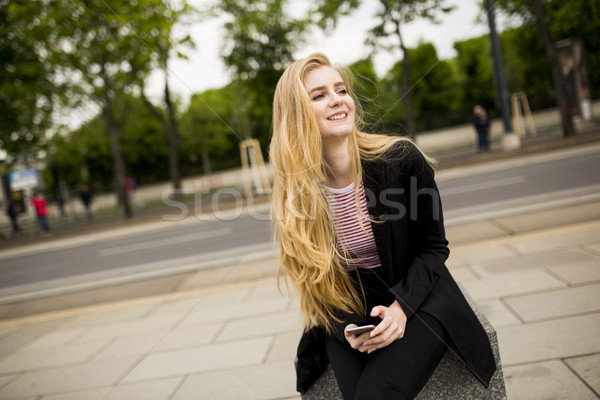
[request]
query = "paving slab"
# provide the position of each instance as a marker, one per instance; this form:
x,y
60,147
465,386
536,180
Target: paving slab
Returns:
x,y
218,295
558,238
185,337
4,380
588,369
113,314
497,313
551,260
20,361
552,218
594,247
231,311
284,347
95,374
540,341
127,346
481,252
234,273
23,335
584,271
129,328
477,231
160,389
188,361
175,308
518,282
58,338
557,303
545,380
463,274
268,291
6,331
263,382
266,325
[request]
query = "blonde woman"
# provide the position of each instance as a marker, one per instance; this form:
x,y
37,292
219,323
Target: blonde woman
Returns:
x,y
359,222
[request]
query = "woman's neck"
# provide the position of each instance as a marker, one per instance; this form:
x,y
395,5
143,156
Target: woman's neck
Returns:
x,y
337,157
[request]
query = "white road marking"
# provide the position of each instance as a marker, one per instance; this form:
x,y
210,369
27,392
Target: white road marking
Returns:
x,y
481,186
163,242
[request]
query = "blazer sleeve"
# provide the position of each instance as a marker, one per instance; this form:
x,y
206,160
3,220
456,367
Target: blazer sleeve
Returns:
x,y
428,247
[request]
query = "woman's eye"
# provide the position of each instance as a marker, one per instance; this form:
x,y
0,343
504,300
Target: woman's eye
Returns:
x,y
318,96
343,91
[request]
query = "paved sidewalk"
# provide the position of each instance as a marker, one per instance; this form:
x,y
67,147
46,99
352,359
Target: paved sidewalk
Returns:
x,y
235,338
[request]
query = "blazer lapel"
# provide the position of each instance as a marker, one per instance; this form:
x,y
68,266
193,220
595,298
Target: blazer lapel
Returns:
x,y
375,182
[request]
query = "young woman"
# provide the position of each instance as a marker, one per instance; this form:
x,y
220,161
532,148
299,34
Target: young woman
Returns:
x,y
359,222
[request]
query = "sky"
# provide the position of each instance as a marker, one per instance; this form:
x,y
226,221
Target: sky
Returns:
x,y
204,68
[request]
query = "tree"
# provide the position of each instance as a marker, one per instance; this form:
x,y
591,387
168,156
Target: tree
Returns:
x,y
435,91
366,87
27,91
84,154
475,72
260,41
533,11
392,15
524,53
205,125
104,47
167,46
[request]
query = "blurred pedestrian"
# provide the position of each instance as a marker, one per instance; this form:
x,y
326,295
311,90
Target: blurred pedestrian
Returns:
x,y
481,121
355,261
131,186
86,198
13,210
39,202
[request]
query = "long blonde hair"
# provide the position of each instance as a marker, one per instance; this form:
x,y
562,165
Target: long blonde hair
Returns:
x,y
300,213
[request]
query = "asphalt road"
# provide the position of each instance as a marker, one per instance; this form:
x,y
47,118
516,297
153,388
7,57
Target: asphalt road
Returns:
x,y
181,243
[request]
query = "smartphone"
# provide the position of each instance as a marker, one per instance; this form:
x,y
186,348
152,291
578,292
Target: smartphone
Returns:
x,y
359,330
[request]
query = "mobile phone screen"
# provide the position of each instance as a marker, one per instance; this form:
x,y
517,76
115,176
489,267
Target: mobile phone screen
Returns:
x,y
359,330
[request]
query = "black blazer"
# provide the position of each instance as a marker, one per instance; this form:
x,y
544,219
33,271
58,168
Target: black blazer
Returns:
x,y
403,197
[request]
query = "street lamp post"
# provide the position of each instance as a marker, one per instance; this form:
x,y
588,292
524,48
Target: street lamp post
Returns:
x,y
509,139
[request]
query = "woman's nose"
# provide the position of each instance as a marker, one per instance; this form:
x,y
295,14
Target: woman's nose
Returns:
x,y
335,100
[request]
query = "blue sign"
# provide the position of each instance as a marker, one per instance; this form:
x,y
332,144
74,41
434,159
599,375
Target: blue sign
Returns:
x,y
23,179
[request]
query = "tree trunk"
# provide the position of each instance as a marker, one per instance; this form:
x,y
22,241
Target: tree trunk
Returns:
x,y
171,133
172,136
405,87
205,162
559,82
114,137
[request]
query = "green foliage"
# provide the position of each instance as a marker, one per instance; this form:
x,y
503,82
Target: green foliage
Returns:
x,y
435,90
526,65
366,91
83,155
26,88
566,20
144,144
327,12
86,150
207,126
95,40
475,72
261,38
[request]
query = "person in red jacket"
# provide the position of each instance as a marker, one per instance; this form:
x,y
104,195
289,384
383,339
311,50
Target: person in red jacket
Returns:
x,y
39,202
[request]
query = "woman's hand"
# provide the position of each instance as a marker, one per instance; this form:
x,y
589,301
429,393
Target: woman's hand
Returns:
x,y
356,342
391,327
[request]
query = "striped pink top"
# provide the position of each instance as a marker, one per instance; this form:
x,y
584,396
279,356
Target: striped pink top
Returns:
x,y
356,239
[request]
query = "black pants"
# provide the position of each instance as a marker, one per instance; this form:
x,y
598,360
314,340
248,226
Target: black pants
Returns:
x,y
397,371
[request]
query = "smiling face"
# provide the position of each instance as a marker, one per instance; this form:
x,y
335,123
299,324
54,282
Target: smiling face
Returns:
x,y
330,101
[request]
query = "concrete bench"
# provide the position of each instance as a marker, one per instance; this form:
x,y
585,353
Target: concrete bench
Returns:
x,y
451,379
